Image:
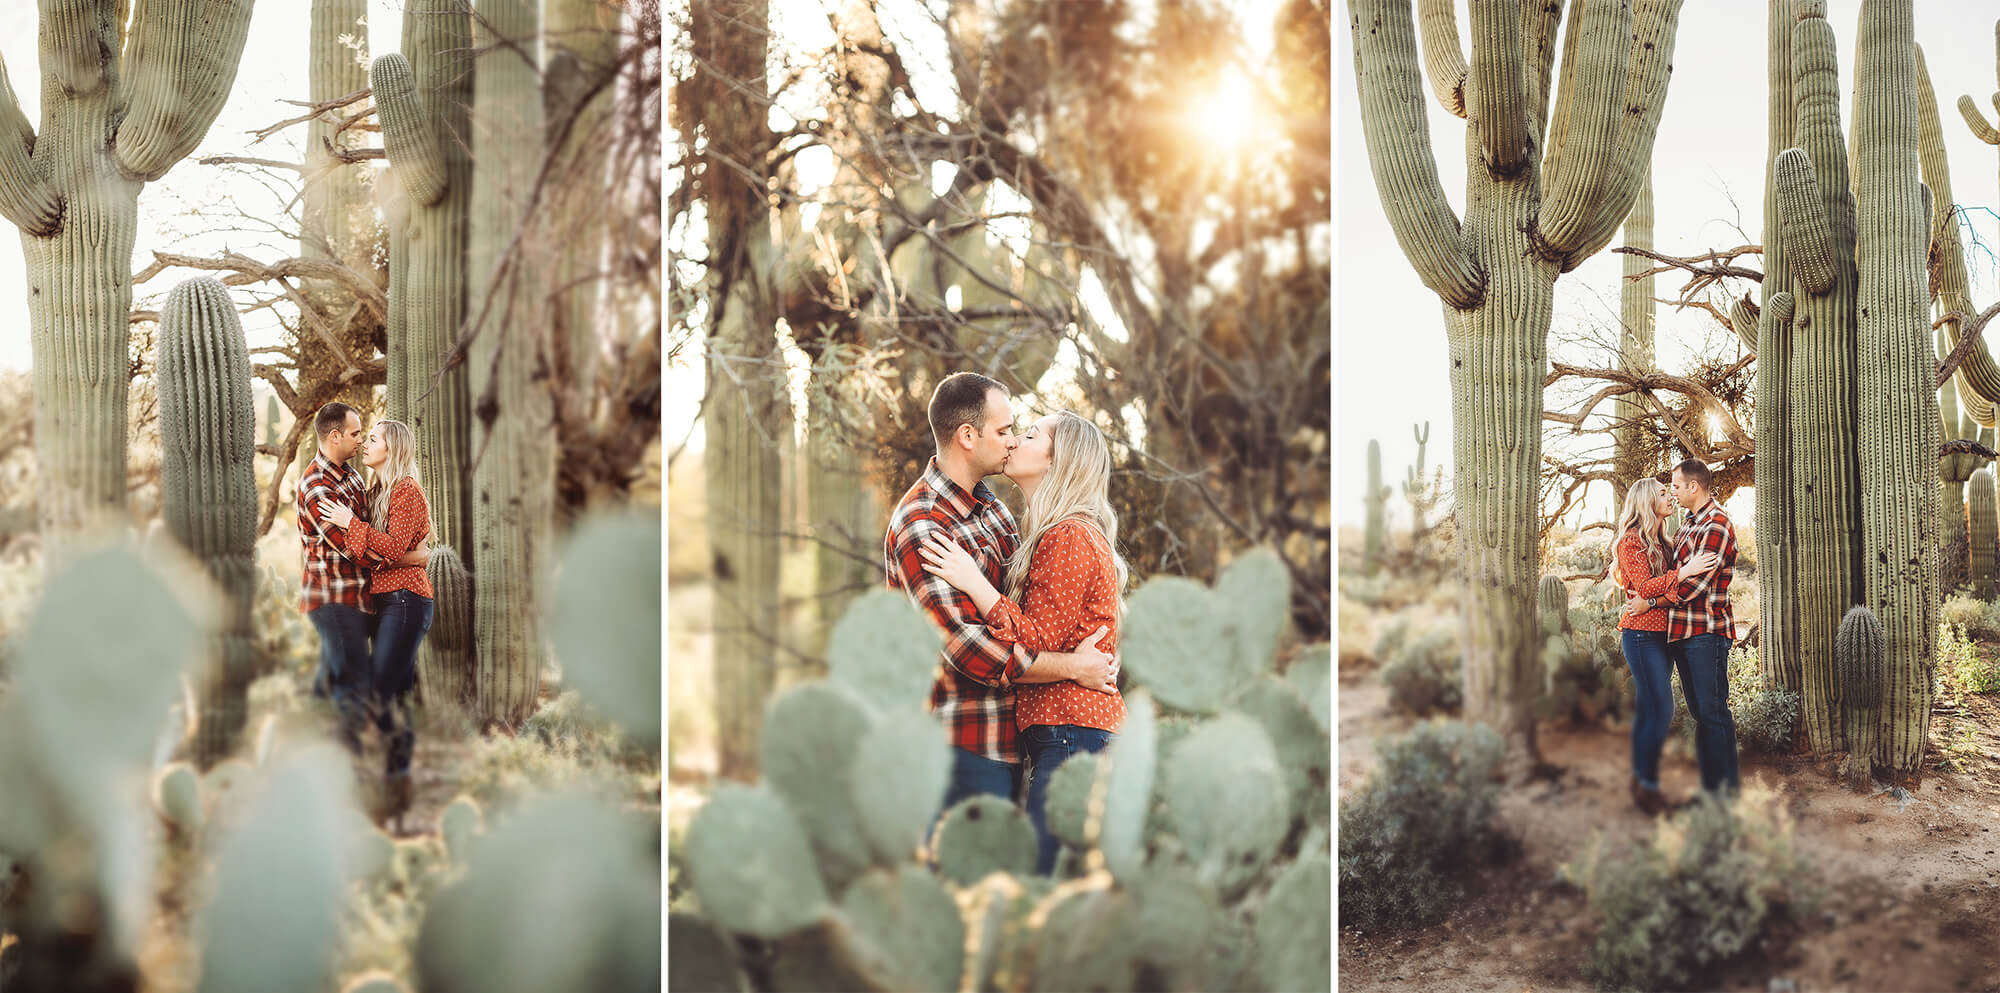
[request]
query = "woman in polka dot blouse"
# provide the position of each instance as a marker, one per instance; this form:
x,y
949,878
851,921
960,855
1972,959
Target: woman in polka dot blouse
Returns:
x,y
399,522
1064,585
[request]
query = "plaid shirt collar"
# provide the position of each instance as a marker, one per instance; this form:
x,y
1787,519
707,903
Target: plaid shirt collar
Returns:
x,y
951,495
338,470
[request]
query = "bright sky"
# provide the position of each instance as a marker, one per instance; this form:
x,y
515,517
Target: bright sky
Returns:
x,y
273,70
1392,369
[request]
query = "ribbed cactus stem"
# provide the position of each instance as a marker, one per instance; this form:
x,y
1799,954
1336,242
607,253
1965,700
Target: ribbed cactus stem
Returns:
x,y
1777,650
445,659
1552,605
1953,471
1374,532
513,478
208,486
1983,533
1898,411
119,106
1861,651
1979,372
582,42
1635,344
1416,485
1496,272
427,136
1818,215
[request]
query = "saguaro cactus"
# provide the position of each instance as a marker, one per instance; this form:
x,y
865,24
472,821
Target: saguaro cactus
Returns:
x,y
1899,411
1817,210
1374,532
1861,648
1528,219
1777,545
119,108
513,473
423,99
1978,376
445,659
1953,472
1416,485
208,486
1983,531
1635,343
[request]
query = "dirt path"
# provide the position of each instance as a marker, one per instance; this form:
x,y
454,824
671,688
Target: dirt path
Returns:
x,y
1913,887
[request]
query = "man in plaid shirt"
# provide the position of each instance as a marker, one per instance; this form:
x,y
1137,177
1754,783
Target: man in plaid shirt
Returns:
x,y
1701,626
972,422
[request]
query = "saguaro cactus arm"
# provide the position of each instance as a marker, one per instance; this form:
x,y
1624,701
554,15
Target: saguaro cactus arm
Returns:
x,y
1444,60
1595,64
1645,99
407,132
1979,374
184,57
1966,108
1499,105
1807,231
25,198
1399,152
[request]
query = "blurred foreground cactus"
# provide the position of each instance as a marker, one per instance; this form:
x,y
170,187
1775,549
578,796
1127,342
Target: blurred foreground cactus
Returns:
x,y
1200,840
1375,499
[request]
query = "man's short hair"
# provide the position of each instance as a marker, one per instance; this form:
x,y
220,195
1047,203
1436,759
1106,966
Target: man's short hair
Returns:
x,y
331,417
960,399
1696,471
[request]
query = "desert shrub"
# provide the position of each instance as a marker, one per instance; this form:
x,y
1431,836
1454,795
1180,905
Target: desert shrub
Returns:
x,y
1707,884
1973,618
1421,810
568,724
1963,666
1422,669
1586,554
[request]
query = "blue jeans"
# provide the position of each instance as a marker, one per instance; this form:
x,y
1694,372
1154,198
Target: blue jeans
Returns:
x,y
403,620
1703,661
1044,747
1646,654
344,667
973,774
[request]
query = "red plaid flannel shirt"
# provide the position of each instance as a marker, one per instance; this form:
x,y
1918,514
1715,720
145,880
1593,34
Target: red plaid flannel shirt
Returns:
x,y
1700,604
973,692
330,576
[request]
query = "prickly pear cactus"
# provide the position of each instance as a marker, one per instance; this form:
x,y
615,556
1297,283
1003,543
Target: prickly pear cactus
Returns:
x,y
981,835
1226,796
208,485
605,624
1293,924
809,740
177,795
1068,809
906,930
700,956
899,774
751,865
1175,644
1312,675
885,650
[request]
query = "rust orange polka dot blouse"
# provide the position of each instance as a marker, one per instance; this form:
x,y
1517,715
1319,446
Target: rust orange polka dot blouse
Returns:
x,y
1072,590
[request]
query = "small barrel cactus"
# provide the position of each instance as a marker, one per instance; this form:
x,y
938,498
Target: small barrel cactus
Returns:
x,y
1860,650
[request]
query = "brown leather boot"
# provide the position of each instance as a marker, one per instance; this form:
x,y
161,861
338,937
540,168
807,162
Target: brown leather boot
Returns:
x,y
1650,802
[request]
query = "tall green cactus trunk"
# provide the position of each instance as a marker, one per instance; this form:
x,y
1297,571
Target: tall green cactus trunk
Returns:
x,y
1982,374
1635,345
1953,472
208,487
119,107
582,45
336,214
1375,500
1777,544
513,475
1528,219
1898,411
1983,533
1818,212
746,398
424,98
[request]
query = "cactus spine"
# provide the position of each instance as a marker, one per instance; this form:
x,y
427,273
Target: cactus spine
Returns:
x,y
513,476
1526,222
445,659
208,485
1374,532
1861,650
119,107
1817,210
423,98
1898,411
1953,472
1635,344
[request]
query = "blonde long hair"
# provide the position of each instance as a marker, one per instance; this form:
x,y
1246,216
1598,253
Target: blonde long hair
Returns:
x,y
1639,501
398,463
1078,484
